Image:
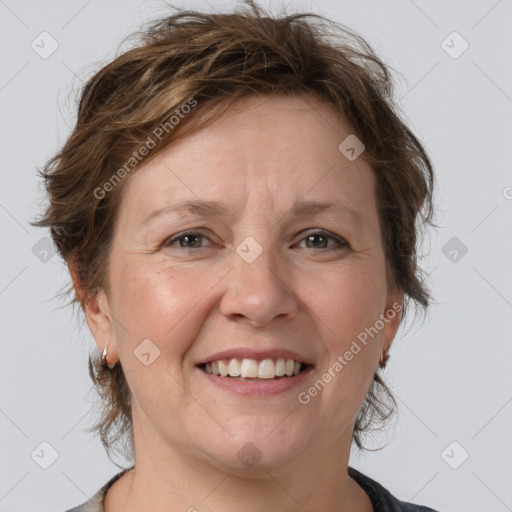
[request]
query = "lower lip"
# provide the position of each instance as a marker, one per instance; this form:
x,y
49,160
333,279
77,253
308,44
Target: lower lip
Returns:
x,y
258,389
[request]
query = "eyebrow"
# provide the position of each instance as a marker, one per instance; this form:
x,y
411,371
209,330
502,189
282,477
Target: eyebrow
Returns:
x,y
198,208
300,209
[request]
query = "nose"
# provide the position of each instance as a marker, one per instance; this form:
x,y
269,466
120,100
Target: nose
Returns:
x,y
259,291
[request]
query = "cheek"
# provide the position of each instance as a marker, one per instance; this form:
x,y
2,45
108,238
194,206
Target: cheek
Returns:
x,y
158,304
347,303
346,300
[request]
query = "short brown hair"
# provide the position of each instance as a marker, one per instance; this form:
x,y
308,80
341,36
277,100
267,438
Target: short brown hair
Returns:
x,y
215,59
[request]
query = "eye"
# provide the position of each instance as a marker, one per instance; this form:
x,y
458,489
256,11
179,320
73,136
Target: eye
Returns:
x,y
317,238
190,240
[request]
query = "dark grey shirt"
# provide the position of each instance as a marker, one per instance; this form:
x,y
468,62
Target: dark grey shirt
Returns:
x,y
381,498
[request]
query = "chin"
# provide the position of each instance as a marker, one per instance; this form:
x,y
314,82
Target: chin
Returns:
x,y
258,446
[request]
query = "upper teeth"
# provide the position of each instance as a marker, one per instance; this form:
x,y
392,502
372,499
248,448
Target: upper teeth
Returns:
x,y
263,369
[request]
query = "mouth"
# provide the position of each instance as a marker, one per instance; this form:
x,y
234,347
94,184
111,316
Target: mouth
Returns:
x,y
255,379
252,373
258,371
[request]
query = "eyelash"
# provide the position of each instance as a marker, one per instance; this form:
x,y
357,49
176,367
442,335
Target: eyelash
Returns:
x,y
342,244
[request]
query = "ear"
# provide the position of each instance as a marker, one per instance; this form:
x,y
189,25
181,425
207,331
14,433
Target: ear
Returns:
x,y
99,318
392,315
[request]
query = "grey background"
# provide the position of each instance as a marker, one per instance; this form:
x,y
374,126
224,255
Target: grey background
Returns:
x,y
451,374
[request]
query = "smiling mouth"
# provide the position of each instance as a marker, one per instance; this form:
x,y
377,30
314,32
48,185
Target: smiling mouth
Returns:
x,y
237,375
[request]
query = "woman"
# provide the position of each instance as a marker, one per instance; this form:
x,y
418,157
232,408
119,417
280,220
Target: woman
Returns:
x,y
238,206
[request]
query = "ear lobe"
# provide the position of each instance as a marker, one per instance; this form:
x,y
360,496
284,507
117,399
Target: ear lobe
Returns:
x,y
97,314
392,314
76,280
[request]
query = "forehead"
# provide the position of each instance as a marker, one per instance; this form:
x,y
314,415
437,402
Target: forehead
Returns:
x,y
277,151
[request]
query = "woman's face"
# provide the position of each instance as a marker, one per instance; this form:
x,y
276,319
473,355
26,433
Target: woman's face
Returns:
x,y
257,274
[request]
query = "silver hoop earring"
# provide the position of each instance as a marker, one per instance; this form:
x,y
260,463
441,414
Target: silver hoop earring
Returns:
x,y
104,362
383,359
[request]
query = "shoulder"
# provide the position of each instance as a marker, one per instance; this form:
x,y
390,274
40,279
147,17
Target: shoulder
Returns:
x,y
381,498
95,503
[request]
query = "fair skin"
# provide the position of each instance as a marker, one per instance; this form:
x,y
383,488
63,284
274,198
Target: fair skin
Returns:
x,y
192,300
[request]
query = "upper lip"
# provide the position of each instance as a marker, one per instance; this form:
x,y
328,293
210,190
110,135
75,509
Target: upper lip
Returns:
x,y
250,353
